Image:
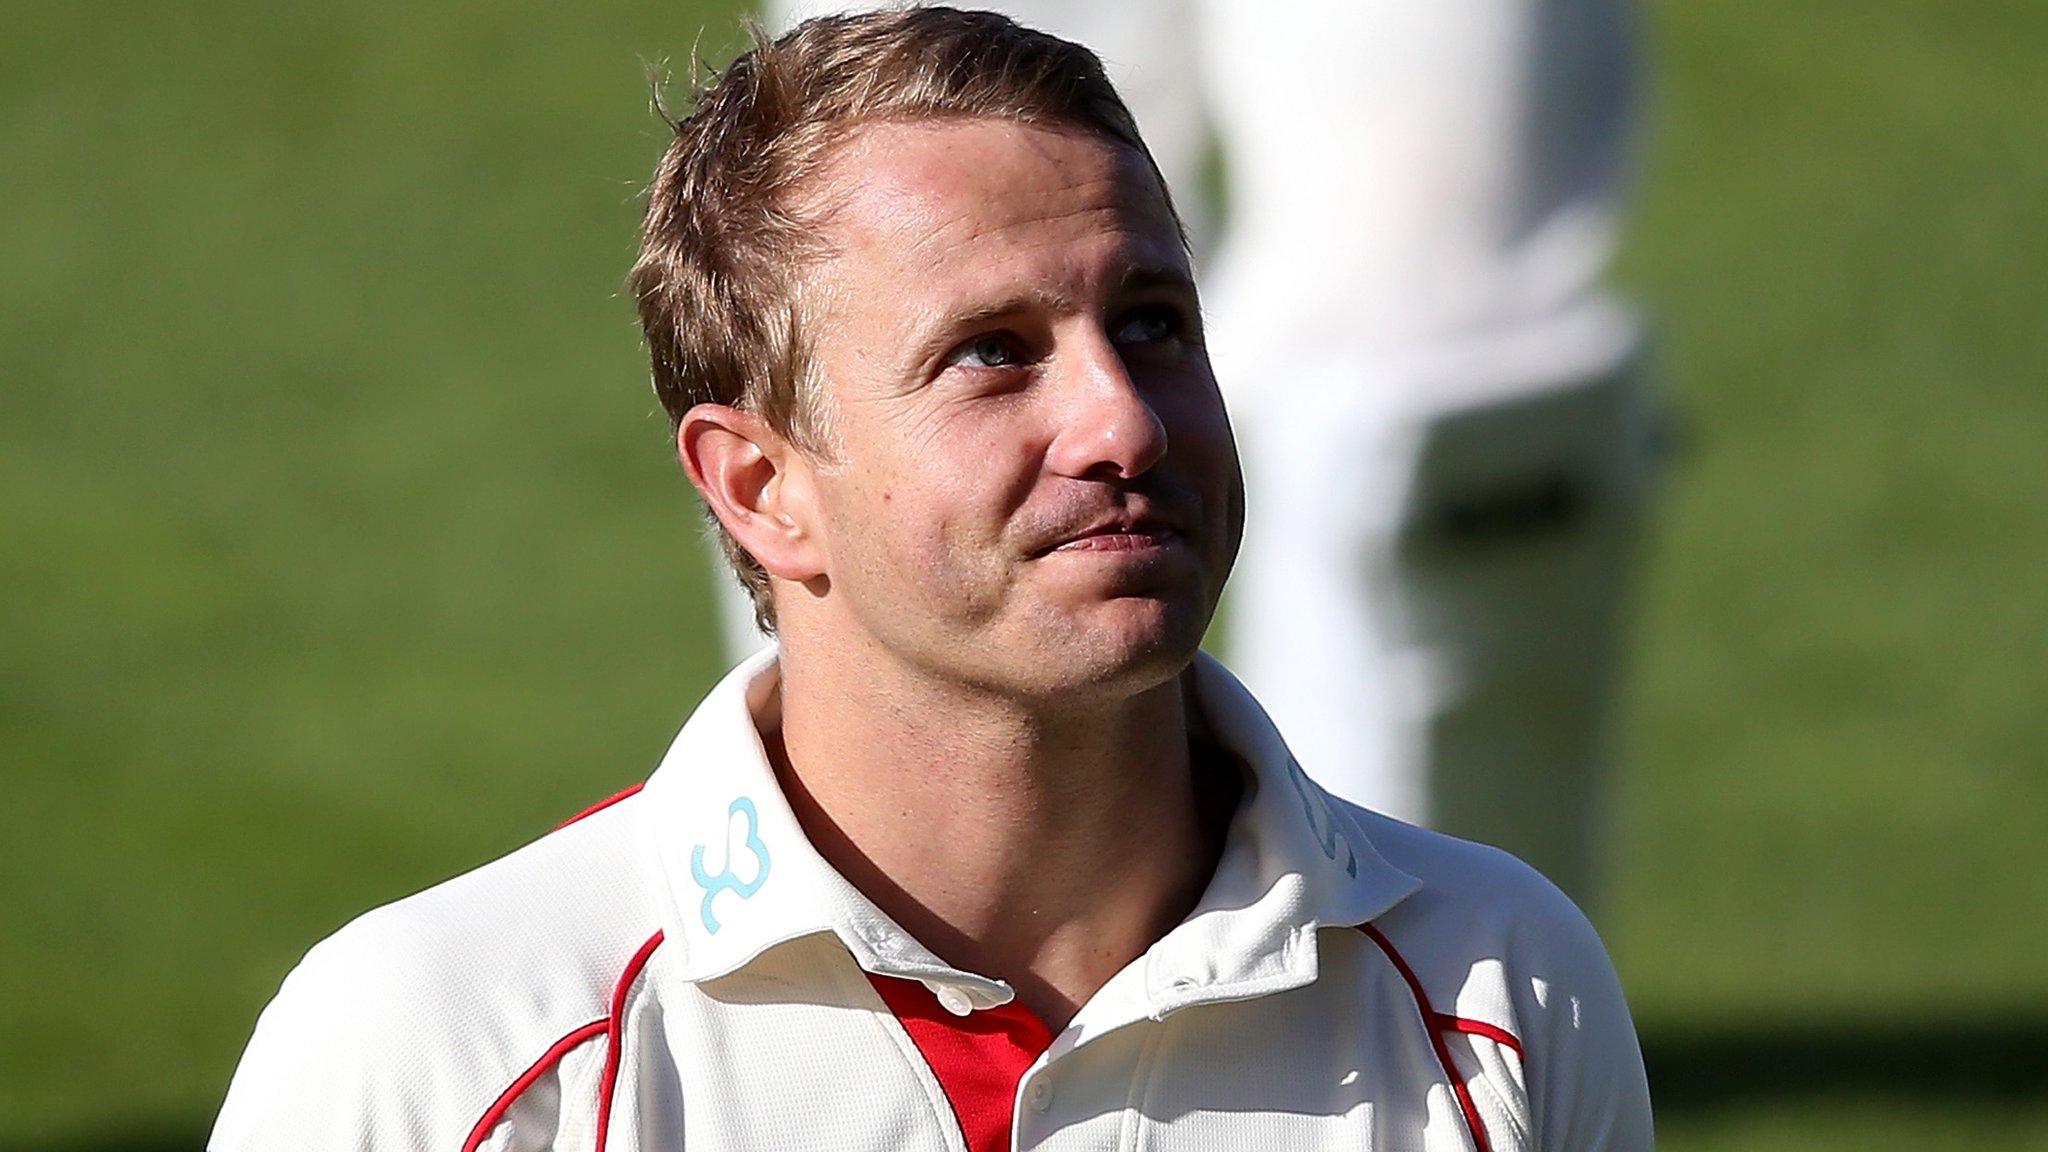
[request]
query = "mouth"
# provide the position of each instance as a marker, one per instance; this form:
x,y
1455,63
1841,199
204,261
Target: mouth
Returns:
x,y
1140,537
1122,534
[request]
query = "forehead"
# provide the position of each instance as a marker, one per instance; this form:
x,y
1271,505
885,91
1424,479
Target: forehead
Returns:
x,y
948,207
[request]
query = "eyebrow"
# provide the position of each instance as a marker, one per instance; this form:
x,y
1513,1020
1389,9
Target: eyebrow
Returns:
x,y
1149,276
1139,278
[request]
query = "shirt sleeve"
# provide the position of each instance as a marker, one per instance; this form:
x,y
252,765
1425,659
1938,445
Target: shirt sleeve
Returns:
x,y
373,1044
325,1068
1587,1088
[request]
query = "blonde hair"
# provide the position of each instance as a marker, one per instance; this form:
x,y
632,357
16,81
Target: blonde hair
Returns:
x,y
722,248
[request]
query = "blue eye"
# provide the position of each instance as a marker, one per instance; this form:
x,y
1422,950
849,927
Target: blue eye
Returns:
x,y
995,350
1149,325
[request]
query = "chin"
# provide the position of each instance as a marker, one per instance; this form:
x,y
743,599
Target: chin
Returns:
x,y
1124,647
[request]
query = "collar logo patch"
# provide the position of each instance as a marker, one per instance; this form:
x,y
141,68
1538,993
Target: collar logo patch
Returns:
x,y
728,880
1321,821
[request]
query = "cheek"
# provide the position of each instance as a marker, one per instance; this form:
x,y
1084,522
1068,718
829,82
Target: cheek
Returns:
x,y
972,474
1198,430
1200,440
923,524
931,506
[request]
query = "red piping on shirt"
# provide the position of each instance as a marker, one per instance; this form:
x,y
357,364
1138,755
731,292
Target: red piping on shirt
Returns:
x,y
548,1060
977,1058
614,1038
1437,1024
600,806
1500,1036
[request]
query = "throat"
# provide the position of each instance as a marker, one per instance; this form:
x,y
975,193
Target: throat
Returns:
x,y
1047,861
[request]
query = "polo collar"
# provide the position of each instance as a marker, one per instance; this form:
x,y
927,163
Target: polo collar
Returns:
x,y
1295,861
736,873
738,877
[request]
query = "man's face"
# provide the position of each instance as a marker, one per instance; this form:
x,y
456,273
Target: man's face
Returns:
x,y
1032,487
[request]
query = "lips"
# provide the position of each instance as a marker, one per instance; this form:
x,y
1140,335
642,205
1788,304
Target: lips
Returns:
x,y
1118,530
1133,536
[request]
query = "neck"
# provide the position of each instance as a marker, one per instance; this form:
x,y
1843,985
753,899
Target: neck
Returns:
x,y
1047,848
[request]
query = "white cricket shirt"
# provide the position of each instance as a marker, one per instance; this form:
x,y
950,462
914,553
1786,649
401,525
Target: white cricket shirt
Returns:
x,y
680,970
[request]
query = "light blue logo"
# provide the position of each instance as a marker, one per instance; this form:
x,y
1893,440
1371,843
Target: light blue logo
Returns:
x,y
727,881
1321,820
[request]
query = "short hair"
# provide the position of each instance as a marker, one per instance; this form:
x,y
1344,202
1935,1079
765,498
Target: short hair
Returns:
x,y
723,247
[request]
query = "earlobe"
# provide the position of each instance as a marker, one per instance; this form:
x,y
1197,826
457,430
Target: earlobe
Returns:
x,y
755,482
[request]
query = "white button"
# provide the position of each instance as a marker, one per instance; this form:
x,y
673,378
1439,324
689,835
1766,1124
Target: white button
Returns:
x,y
955,1001
1040,1094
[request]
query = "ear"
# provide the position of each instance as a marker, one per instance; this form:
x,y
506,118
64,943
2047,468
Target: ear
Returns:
x,y
758,485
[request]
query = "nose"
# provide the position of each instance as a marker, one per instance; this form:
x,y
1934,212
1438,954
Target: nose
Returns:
x,y
1107,429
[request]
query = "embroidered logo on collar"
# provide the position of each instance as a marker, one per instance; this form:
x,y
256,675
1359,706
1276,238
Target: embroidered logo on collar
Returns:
x,y
1321,820
729,881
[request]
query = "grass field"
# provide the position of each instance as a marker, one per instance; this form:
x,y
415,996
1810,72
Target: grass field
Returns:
x,y
341,550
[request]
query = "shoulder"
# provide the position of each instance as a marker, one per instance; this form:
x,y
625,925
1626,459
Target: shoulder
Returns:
x,y
1499,956
1476,899
405,1027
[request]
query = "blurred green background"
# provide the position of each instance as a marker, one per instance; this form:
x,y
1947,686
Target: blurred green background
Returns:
x,y
341,547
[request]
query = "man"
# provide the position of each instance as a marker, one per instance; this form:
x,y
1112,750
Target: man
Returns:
x,y
983,855
1446,423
